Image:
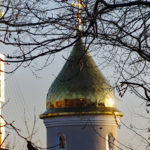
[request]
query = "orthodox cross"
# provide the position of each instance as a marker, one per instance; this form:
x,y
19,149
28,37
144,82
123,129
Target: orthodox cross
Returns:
x,y
79,5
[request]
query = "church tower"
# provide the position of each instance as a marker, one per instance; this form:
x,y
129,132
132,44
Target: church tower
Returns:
x,y
81,109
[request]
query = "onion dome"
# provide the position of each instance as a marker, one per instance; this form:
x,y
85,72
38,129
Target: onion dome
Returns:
x,y
80,88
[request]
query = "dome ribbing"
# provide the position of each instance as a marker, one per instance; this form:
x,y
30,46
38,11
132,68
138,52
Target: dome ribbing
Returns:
x,y
79,88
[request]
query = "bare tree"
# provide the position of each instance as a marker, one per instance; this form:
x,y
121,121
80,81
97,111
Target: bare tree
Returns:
x,y
41,27
118,29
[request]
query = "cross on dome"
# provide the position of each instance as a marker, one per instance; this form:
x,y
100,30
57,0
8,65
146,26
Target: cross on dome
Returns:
x,y
79,5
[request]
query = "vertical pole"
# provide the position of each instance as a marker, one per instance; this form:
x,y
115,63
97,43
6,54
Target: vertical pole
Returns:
x,y
79,5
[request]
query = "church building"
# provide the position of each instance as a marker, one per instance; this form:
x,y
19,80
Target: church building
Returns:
x,y
81,109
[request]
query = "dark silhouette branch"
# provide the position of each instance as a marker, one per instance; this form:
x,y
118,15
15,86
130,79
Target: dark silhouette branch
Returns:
x,y
146,90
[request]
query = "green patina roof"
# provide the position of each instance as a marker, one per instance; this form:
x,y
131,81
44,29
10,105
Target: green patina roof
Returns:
x,y
81,81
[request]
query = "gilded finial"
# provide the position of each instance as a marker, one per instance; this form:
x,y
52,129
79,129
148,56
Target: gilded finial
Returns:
x,y
79,5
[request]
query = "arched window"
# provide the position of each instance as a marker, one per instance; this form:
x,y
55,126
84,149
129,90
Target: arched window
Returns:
x,y
110,142
62,142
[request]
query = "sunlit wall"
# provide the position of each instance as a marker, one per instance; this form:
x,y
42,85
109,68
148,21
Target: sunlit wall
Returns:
x,y
2,97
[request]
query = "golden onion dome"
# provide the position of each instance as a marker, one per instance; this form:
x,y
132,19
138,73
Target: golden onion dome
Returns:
x,y
80,88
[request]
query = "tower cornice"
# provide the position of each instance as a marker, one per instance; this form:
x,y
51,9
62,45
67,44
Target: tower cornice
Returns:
x,y
88,120
57,112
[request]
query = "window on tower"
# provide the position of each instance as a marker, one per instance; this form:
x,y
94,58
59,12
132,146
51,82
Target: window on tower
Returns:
x,y
62,142
110,142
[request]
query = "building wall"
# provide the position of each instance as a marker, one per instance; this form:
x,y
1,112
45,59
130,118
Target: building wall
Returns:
x,y
2,97
1,78
81,132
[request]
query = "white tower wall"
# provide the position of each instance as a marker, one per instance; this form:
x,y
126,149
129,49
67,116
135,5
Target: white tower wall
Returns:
x,y
81,132
2,97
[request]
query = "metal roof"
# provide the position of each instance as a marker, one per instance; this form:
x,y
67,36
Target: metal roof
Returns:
x,y
79,85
